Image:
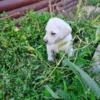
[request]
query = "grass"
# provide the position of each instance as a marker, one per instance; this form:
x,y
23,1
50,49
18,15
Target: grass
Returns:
x,y
25,73
94,2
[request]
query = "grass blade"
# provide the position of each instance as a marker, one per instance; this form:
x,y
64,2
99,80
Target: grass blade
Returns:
x,y
86,78
54,95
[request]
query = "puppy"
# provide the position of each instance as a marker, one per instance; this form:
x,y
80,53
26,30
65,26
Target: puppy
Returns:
x,y
58,37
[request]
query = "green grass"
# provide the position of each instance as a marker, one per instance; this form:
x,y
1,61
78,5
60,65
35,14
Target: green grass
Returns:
x,y
94,2
25,73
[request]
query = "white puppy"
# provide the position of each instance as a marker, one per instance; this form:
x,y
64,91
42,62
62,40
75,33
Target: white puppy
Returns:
x,y
58,37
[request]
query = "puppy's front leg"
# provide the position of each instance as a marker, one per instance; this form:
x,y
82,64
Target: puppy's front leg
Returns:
x,y
71,52
50,53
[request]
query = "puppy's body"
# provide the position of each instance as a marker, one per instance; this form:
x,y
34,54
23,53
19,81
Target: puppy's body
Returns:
x,y
58,38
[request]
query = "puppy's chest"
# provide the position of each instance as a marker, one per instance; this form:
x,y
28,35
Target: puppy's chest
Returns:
x,y
60,46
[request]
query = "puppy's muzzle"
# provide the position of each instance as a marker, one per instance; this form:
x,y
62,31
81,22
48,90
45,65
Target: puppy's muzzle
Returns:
x,y
46,41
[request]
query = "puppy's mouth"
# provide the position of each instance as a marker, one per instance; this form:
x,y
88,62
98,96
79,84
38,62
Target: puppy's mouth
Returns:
x,y
49,43
52,42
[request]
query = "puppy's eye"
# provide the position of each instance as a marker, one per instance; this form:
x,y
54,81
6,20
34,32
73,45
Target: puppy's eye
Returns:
x,y
52,33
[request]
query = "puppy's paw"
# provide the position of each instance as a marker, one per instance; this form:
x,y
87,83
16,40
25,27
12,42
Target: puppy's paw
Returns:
x,y
71,52
51,59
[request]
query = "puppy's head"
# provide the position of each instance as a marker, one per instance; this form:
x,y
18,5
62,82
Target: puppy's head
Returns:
x,y
56,30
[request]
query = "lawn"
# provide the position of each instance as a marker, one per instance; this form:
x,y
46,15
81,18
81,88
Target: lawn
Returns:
x,y
25,73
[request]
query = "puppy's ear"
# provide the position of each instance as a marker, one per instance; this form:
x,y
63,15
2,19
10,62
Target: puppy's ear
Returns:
x,y
65,29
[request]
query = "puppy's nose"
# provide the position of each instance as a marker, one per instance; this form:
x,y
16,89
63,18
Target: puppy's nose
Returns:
x,y
46,41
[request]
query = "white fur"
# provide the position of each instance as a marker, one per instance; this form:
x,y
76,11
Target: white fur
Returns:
x,y
61,41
